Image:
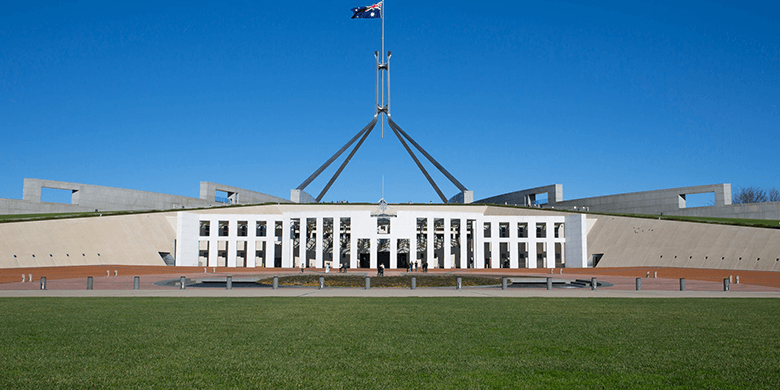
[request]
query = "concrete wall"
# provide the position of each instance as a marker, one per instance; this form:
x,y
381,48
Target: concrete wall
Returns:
x,y
527,197
670,201
120,240
667,201
628,242
87,197
237,195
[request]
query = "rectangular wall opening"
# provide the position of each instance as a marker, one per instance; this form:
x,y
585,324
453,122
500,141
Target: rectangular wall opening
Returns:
x,y
221,197
56,195
697,200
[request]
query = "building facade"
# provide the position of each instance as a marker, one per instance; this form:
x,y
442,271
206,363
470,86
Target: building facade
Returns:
x,y
366,236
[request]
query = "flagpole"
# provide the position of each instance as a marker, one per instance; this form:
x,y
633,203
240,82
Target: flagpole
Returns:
x,y
382,13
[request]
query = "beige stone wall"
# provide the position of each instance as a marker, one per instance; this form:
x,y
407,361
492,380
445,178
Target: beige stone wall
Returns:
x,y
120,240
629,242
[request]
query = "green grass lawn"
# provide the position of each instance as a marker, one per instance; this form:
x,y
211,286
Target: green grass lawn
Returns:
x,y
403,343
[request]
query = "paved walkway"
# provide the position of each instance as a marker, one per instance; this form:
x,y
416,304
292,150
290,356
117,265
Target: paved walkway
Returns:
x,y
73,284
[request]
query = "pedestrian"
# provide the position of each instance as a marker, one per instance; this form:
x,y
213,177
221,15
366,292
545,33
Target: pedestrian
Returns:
x,y
327,268
303,265
415,266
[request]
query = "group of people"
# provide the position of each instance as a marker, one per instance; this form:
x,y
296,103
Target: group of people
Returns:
x,y
412,267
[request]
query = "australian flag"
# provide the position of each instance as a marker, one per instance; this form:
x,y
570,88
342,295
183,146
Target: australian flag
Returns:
x,y
368,12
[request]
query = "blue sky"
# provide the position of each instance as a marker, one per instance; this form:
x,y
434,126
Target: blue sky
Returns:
x,y
603,97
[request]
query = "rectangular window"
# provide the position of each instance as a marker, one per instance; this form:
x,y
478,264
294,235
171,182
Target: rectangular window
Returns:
x,y
224,228
205,228
260,229
541,230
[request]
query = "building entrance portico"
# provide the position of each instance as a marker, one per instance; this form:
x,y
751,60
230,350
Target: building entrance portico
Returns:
x,y
443,237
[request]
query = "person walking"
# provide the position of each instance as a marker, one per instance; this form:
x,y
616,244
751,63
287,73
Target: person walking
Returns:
x,y
303,265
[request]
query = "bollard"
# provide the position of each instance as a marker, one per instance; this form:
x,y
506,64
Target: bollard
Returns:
x,y
682,284
322,282
368,282
655,274
638,284
726,284
89,283
229,283
136,283
414,282
29,277
503,283
458,283
736,279
549,283
276,282
181,280
43,283
593,283
116,272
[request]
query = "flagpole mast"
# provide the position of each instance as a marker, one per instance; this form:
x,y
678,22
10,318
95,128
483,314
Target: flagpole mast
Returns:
x,y
382,13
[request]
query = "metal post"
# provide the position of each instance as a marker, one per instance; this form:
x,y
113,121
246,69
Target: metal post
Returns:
x,y
276,282
89,283
593,283
682,284
549,283
322,282
726,284
638,284
43,283
136,283
368,282
229,283
181,283
414,282
458,283
503,283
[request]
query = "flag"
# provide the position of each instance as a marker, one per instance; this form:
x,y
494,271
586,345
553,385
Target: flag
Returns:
x,y
368,12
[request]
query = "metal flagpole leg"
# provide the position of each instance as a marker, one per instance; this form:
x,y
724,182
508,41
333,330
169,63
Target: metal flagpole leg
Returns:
x,y
419,165
430,158
314,175
344,164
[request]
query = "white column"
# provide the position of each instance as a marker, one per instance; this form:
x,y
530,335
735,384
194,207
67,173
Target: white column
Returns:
x,y
302,241
353,249
373,245
393,251
447,243
413,245
532,240
251,249
550,240
287,253
495,246
431,242
336,242
479,246
213,242
464,261
512,245
318,245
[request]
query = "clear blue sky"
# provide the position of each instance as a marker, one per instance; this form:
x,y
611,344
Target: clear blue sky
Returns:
x,y
601,96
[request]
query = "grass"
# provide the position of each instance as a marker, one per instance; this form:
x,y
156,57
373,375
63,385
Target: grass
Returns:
x,y
405,343
384,281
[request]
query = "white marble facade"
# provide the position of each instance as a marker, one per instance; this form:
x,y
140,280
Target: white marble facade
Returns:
x,y
461,239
